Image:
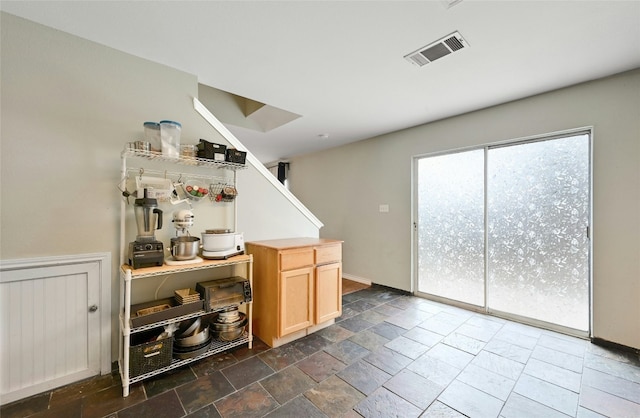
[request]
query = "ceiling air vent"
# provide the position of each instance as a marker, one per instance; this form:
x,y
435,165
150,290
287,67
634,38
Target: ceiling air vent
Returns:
x,y
436,50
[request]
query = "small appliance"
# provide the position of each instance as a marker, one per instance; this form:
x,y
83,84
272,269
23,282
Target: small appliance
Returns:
x,y
220,244
146,251
222,293
184,248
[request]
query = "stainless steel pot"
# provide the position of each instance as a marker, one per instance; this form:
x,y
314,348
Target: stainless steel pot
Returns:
x,y
185,248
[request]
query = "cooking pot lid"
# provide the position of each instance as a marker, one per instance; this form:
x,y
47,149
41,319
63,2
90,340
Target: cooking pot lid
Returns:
x,y
217,231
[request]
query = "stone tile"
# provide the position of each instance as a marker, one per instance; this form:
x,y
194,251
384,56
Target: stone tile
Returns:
x,y
558,358
464,343
287,384
407,347
587,413
523,329
416,389
78,390
105,402
251,401
423,336
334,396
363,305
518,406
470,401
298,407
347,351
612,367
441,323
356,324
247,371
208,411
607,404
440,410
384,403
372,316
548,394
166,405
613,354
388,310
501,365
281,357
347,313
351,297
388,330
403,321
404,302
554,374
310,344
169,380
213,363
203,391
492,383
434,369
457,358
28,406
71,409
388,360
320,366
243,352
576,347
335,333
369,340
479,332
516,338
364,376
508,350
612,385
486,321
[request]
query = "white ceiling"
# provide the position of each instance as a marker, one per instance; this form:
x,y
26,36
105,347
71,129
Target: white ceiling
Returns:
x,y
340,64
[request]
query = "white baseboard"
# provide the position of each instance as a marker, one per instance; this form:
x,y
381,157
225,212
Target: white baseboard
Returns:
x,y
356,279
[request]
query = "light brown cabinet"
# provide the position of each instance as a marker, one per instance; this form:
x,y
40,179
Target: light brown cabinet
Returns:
x,y
298,287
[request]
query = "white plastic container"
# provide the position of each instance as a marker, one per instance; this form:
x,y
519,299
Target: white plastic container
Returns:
x,y
170,138
152,135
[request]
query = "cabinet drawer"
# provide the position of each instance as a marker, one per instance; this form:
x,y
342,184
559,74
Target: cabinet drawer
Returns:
x,y
293,259
328,254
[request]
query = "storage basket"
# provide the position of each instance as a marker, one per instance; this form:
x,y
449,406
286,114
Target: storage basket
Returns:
x,y
146,356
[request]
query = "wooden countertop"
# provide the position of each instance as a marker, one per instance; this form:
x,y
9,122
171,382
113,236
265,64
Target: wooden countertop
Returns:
x,y
288,243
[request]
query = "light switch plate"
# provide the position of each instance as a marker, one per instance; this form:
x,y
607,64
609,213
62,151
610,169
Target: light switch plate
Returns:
x,y
384,208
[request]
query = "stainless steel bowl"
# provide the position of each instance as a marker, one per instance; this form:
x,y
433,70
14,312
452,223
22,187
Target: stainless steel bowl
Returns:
x,y
198,338
185,248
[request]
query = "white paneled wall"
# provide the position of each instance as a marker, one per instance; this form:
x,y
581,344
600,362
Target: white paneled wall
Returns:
x,y
50,324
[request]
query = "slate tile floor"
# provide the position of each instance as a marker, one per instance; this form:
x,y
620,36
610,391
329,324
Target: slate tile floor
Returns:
x,y
389,355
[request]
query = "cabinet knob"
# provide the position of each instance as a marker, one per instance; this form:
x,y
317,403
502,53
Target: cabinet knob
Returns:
x,y
93,308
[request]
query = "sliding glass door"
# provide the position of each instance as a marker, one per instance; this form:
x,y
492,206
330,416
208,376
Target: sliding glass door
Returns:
x,y
538,212
451,226
506,228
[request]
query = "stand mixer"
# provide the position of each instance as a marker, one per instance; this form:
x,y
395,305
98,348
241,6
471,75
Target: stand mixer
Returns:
x,y
146,251
184,248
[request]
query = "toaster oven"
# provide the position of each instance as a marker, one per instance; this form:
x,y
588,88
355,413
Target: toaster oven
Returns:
x,y
220,293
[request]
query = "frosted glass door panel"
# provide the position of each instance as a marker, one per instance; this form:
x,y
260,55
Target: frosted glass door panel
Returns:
x,y
451,226
538,213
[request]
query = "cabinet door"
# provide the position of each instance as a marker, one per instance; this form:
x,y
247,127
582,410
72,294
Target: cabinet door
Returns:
x,y
296,300
328,292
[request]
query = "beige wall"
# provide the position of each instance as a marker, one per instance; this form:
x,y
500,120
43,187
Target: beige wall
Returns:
x,y
345,186
68,107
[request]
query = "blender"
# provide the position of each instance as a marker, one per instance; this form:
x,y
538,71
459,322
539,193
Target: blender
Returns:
x,y
146,251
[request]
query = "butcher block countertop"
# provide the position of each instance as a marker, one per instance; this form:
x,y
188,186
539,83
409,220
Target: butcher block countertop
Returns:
x,y
289,243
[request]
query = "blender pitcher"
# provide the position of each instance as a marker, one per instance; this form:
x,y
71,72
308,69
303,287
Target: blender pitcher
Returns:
x,y
148,217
